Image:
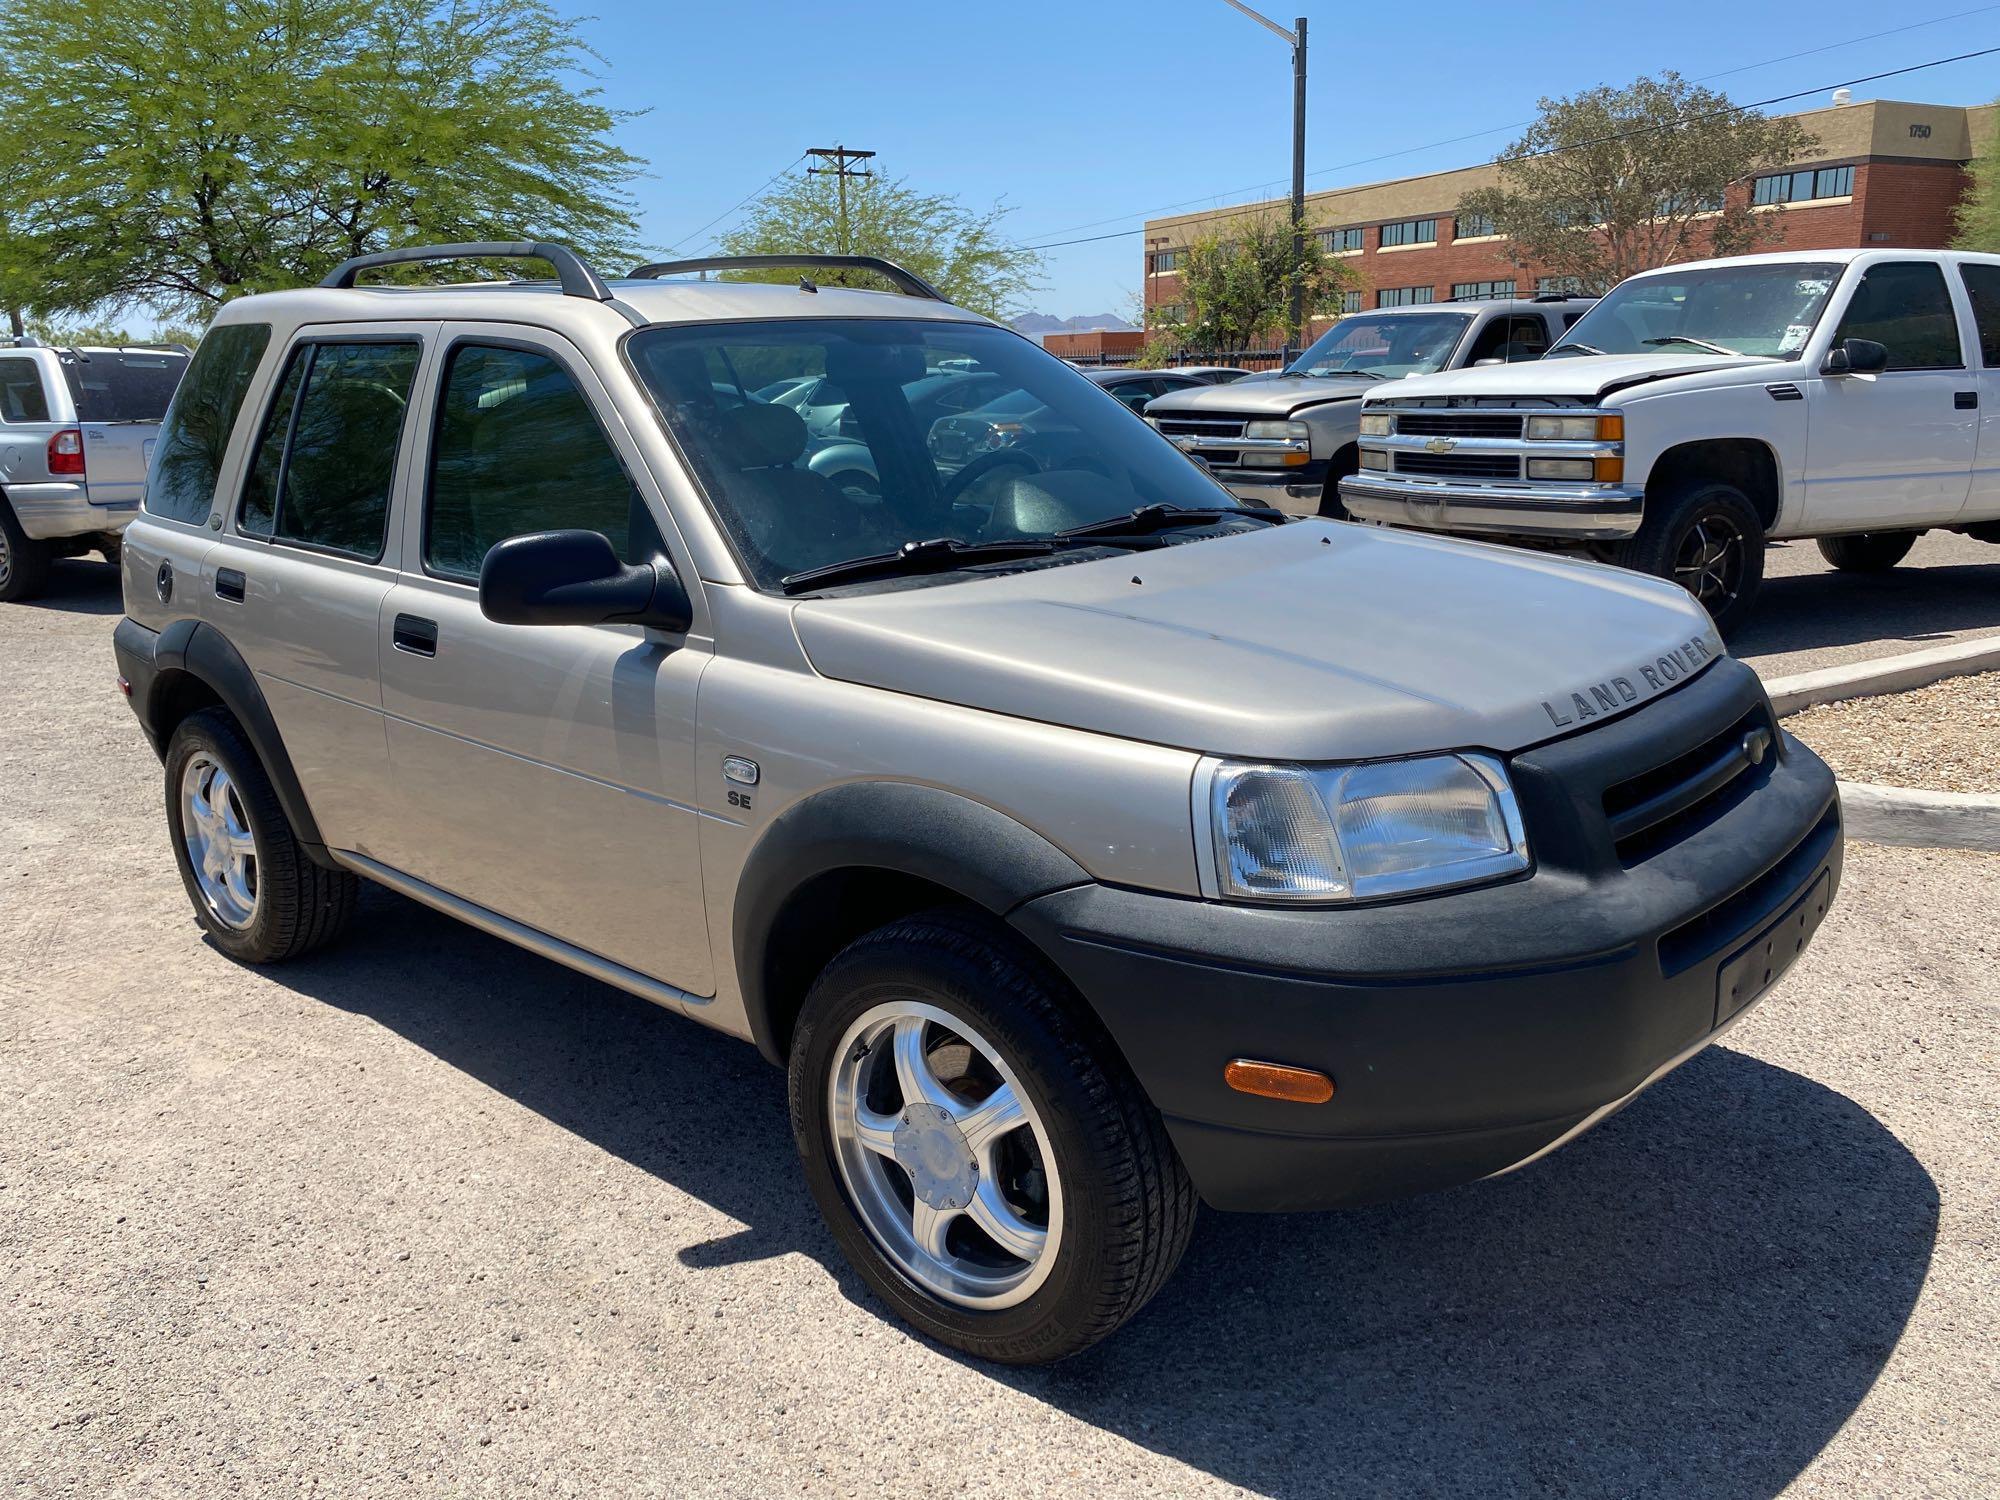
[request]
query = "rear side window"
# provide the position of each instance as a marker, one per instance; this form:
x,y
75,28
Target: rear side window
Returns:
x,y
125,385
181,486
1982,285
326,458
22,398
1904,305
518,449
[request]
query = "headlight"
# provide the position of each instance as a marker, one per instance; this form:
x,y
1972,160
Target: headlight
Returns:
x,y
1575,429
1284,432
1377,424
1152,422
1352,832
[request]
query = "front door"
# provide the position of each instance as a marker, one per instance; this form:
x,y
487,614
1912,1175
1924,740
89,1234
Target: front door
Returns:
x,y
1982,290
1894,449
543,772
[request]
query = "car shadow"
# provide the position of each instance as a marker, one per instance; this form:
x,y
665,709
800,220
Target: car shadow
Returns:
x,y
1916,604
80,586
1691,1300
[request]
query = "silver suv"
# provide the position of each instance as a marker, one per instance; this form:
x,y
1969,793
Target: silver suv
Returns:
x,y
1085,844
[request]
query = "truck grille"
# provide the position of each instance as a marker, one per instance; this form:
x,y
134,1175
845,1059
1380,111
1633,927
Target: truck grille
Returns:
x,y
1459,424
1662,806
1222,429
1460,465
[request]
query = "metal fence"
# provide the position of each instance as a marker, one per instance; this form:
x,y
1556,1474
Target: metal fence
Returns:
x,y
1241,359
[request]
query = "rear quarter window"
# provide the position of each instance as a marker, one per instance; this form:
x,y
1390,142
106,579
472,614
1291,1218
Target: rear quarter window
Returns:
x,y
123,386
22,398
196,432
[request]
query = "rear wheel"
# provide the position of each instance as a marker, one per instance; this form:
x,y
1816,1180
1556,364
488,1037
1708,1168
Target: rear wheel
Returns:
x,y
1706,537
24,562
1867,551
980,1154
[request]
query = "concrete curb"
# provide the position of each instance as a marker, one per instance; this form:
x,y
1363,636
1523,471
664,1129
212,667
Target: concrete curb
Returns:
x,y
1920,820
1886,674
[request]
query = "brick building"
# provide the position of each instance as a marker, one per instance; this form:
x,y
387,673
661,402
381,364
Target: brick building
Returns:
x,y
1884,172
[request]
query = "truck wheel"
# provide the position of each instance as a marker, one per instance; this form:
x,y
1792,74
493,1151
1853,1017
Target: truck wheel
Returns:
x,y
1867,551
1706,537
255,891
24,562
980,1152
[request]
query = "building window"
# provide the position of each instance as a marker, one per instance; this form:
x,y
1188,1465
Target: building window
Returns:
x,y
1804,187
1337,240
1171,312
1410,232
1350,302
1164,260
1480,291
1471,226
1671,206
1405,296
1560,286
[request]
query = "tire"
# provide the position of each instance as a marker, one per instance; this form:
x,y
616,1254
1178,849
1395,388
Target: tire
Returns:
x,y
1705,536
1115,1212
24,562
280,904
1345,463
1867,551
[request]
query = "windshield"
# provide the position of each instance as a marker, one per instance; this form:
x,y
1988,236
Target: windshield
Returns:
x,y
1754,309
914,431
123,385
1389,346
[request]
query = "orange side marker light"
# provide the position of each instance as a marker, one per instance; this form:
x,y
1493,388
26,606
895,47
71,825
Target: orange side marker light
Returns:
x,y
1271,1080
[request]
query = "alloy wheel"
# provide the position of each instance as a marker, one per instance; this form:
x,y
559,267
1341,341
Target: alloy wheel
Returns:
x,y
221,847
1711,560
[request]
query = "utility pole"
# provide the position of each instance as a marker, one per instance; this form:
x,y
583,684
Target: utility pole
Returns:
x,y
1296,40
839,159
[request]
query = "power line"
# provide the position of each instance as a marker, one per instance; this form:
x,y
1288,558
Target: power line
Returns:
x,y
838,164
746,198
1455,140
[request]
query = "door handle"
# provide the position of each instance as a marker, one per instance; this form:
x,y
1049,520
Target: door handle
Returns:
x,y
229,584
1965,400
416,636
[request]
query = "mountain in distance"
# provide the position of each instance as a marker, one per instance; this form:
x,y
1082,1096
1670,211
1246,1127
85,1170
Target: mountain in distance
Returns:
x,y
1040,322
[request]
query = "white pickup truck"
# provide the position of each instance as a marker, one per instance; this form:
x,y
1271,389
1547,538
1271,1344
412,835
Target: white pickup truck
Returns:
x,y
1699,411
76,434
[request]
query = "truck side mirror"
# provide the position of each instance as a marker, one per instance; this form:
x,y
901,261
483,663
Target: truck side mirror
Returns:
x,y
1856,357
575,578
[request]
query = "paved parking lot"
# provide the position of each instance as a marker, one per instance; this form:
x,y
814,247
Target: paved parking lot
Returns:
x,y
426,1215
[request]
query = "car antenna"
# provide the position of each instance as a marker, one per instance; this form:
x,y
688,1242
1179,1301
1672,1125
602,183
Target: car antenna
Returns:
x,y
807,284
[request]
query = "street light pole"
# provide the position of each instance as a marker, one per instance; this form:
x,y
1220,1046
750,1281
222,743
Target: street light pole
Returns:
x,y
1296,40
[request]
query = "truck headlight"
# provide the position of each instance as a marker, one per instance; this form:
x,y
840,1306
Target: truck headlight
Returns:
x,y
1575,429
1369,829
1377,424
1283,432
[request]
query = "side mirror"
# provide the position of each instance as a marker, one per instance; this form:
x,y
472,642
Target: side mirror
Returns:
x,y
575,578
1856,357
1480,364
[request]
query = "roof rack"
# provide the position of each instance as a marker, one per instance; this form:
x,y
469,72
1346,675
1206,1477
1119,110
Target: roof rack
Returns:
x,y
575,277
905,281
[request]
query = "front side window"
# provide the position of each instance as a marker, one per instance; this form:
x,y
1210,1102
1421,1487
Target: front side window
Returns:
x,y
1411,232
1385,348
1982,286
516,449
195,434
22,398
1768,309
326,458
1905,306
1044,450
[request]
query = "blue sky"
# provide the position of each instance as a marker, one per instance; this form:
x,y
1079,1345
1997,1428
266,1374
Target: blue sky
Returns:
x,y
1092,110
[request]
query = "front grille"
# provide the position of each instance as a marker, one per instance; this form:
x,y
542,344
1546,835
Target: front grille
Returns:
x,y
1460,465
1223,429
1459,424
1666,804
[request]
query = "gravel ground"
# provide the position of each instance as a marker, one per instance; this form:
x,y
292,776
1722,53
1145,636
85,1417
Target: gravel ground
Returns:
x,y
1942,738
427,1216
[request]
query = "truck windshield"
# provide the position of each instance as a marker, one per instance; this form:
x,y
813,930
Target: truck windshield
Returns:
x,y
1745,309
919,433
1386,346
122,385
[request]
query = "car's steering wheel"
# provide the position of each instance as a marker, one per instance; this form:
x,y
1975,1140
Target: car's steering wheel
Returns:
x,y
987,463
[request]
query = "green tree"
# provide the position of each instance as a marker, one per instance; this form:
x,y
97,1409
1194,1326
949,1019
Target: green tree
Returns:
x,y
1979,209
176,155
959,250
1236,281
1618,180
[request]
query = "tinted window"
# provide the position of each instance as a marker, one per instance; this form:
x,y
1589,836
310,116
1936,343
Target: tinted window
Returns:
x,y
181,486
1982,285
518,449
123,386
1905,306
21,396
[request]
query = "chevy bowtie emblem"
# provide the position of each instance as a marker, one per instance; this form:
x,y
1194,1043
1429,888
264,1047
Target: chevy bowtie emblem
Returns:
x,y
1441,445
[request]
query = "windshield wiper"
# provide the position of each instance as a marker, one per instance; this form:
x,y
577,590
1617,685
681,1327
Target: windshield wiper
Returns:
x,y
1572,344
1148,519
1318,374
1681,338
938,554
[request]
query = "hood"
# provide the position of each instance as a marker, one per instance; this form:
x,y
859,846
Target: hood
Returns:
x,y
1318,640
1585,375
1279,396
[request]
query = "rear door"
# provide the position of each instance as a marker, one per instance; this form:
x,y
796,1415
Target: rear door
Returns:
x,y
120,397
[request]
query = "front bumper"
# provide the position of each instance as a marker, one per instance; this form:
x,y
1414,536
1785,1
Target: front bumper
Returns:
x,y
1558,512
60,509
1471,1032
1296,491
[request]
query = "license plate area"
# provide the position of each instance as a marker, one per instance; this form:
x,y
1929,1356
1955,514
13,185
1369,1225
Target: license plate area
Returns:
x,y
1760,963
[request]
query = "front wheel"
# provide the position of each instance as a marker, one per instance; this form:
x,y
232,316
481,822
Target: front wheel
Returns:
x,y
1867,551
1706,537
981,1155
24,562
